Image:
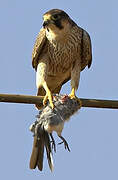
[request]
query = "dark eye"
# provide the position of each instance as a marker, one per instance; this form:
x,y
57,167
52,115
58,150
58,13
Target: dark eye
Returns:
x,y
55,17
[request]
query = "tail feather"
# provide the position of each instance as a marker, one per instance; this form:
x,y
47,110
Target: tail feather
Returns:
x,y
37,154
34,155
40,155
49,151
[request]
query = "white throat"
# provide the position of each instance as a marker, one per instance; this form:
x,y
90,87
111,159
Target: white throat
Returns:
x,y
54,34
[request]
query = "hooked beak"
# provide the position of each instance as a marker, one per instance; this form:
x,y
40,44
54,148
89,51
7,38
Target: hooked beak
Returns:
x,y
46,23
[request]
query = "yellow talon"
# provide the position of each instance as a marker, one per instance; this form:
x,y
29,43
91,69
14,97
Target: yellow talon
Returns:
x,y
48,97
73,96
45,100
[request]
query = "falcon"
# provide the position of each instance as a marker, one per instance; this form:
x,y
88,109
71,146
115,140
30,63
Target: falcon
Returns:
x,y
61,51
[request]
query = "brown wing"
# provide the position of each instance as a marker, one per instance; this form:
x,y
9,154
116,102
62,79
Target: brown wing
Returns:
x,y
38,46
86,50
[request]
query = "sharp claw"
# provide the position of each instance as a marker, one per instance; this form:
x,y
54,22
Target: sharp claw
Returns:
x,y
71,96
65,143
53,142
48,97
45,100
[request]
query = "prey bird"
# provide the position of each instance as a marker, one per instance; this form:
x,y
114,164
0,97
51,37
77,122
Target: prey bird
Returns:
x,y
47,121
61,51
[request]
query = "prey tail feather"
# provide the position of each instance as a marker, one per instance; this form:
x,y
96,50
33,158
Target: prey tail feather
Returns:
x,y
34,155
41,140
37,153
48,151
40,154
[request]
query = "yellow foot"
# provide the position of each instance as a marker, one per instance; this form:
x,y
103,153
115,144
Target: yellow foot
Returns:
x,y
72,96
48,97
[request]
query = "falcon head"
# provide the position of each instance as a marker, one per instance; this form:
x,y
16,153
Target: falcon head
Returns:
x,y
56,19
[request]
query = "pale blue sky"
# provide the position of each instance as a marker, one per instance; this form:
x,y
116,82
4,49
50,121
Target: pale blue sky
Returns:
x,y
92,133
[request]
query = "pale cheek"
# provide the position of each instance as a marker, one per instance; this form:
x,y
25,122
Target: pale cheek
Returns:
x,y
50,34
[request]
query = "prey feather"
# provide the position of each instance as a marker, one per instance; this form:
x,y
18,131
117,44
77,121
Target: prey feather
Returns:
x,y
49,120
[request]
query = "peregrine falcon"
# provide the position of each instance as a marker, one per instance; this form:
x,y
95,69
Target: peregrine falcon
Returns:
x,y
61,51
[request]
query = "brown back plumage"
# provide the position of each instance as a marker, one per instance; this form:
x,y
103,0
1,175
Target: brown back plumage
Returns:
x,y
38,47
86,50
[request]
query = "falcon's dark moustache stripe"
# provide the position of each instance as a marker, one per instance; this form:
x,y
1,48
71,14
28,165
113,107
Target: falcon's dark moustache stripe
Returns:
x,y
58,24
